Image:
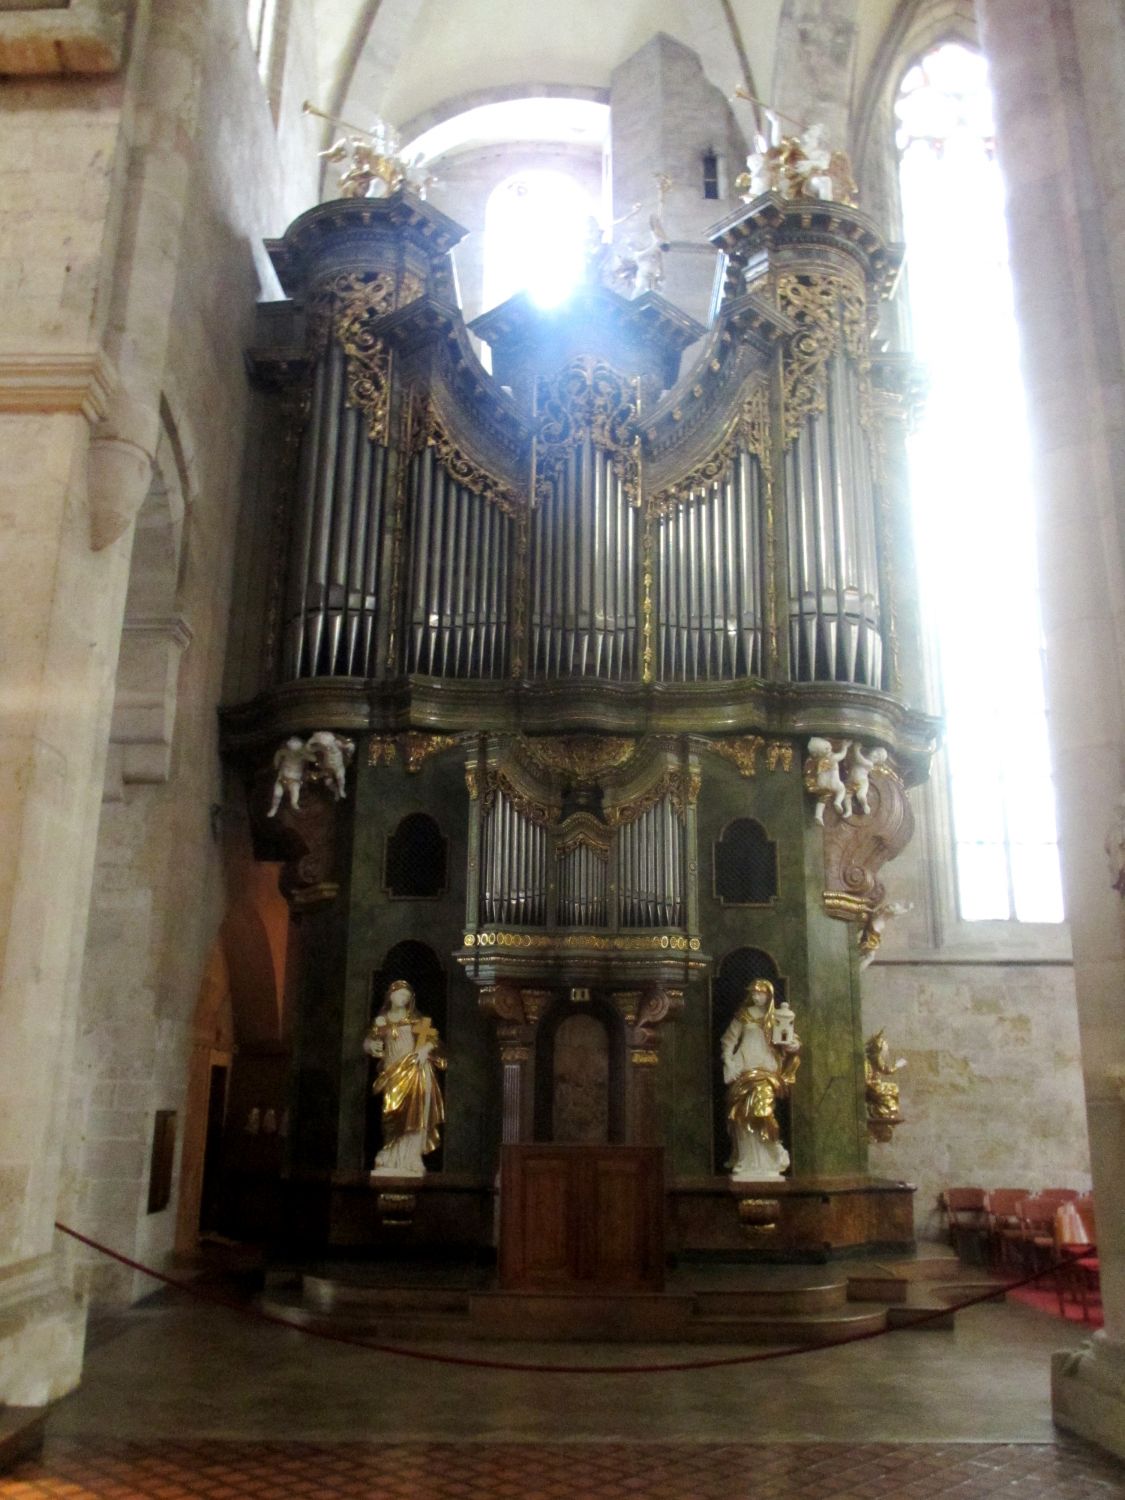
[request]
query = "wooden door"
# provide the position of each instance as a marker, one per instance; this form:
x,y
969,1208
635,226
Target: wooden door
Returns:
x,y
581,1218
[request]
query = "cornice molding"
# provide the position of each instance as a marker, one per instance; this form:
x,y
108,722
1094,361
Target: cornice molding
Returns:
x,y
62,380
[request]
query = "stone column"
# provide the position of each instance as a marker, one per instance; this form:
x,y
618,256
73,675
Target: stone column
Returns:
x,y
643,1013
516,1013
1057,69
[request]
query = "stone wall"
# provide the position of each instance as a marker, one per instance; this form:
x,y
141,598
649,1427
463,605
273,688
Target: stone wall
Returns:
x,y
159,894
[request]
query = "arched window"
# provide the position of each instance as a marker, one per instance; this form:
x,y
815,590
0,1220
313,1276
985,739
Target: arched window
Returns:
x,y
974,518
535,229
416,859
745,865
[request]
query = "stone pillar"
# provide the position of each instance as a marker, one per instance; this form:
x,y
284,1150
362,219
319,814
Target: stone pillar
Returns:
x,y
665,114
1057,69
643,1013
516,1013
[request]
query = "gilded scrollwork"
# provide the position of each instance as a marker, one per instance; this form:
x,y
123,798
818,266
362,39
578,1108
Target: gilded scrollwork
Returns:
x,y
417,748
831,313
583,830
461,466
347,307
679,784
587,399
583,757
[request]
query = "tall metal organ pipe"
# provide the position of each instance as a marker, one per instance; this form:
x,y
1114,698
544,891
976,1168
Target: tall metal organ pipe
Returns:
x,y
582,584
336,535
457,567
709,579
513,887
651,868
834,605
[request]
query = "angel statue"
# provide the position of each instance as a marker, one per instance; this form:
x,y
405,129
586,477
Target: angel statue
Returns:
x,y
408,1052
760,1060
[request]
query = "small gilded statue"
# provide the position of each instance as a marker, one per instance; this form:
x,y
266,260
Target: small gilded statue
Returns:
x,y
332,754
407,1049
323,757
760,1059
857,781
883,1111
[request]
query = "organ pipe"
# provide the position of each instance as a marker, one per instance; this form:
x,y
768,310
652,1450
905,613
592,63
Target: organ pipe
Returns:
x,y
834,605
336,537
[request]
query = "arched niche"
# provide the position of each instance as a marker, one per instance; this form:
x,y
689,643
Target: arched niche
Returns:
x,y
579,1073
154,635
744,865
420,966
416,859
734,973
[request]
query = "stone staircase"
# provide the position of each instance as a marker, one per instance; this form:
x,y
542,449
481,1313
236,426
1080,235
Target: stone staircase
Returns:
x,y
756,1305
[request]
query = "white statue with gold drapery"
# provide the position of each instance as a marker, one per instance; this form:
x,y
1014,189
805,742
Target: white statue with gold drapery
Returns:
x,y
759,1052
408,1051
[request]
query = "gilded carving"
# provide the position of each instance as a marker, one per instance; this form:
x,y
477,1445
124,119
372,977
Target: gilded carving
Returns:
x,y
347,307
741,752
417,748
677,783
626,943
462,467
779,755
582,757
582,829
832,314
381,750
587,399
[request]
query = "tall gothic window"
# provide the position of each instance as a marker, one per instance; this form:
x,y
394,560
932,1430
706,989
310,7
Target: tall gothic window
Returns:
x,y
974,517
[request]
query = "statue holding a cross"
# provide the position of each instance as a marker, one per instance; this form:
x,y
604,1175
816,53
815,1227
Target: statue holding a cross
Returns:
x,y
408,1052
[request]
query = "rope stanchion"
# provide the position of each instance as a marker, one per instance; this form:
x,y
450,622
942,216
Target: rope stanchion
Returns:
x,y
668,1367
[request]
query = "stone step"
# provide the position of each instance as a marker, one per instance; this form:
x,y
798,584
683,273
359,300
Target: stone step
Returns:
x,y
770,1300
810,1328
323,1293
655,1318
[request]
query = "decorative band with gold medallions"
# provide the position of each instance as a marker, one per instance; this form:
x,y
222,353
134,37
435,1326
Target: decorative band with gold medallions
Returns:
x,y
658,941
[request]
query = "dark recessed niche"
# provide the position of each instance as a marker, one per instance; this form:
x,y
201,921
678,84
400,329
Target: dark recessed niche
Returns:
x,y
745,861
710,174
416,859
160,1165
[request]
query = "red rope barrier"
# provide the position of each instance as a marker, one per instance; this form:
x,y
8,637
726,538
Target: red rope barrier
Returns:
x,y
260,1315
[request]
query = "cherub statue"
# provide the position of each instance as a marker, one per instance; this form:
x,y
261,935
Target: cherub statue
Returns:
x,y
822,776
759,1052
408,1052
332,754
643,266
875,925
858,778
290,763
883,1110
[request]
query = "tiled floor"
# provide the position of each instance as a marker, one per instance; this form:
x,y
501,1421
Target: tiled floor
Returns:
x,y
181,1400
562,1471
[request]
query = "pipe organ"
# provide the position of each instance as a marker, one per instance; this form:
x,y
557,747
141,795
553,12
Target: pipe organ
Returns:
x,y
580,616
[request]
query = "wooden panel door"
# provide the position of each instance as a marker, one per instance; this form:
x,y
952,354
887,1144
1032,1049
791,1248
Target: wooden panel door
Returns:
x,y
582,1218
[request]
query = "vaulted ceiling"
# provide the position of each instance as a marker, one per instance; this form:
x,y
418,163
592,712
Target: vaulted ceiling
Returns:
x,y
420,61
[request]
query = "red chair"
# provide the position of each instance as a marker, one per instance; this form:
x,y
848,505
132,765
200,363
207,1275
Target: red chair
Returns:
x,y
1080,1277
1004,1231
1036,1244
966,1211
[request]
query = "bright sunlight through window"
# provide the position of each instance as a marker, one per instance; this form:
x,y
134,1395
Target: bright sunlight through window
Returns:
x,y
970,466
535,228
